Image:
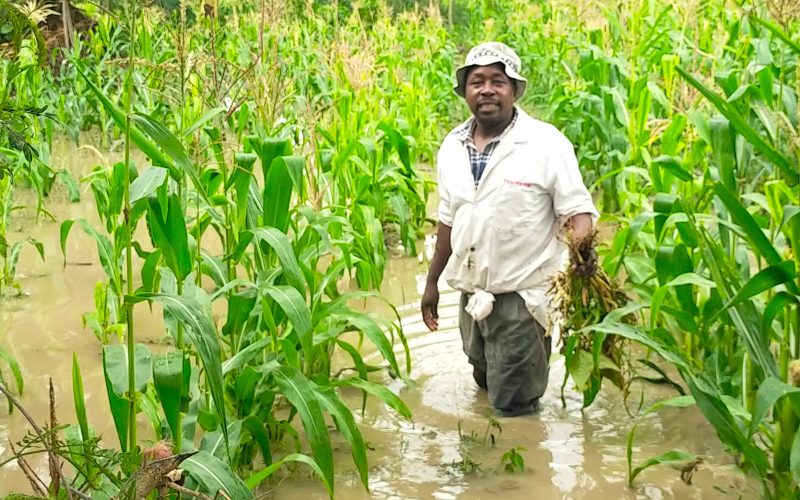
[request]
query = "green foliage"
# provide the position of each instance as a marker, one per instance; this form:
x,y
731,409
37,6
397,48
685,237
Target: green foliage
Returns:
x,y
512,460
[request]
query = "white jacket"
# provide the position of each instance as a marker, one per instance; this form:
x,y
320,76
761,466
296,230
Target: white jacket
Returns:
x,y
505,230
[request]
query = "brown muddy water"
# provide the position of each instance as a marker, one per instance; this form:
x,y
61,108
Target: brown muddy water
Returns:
x,y
568,454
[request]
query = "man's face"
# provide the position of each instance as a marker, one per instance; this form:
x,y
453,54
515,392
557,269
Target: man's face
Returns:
x,y
489,94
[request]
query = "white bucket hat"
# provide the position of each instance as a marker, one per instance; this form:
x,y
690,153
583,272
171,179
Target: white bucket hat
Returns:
x,y
487,54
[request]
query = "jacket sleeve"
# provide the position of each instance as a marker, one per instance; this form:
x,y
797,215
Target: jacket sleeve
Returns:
x,y
445,213
570,196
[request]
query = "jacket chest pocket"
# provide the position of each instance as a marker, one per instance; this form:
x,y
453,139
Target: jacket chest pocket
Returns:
x,y
519,207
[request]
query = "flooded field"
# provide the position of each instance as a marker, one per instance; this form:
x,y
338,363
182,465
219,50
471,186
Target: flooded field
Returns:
x,y
448,451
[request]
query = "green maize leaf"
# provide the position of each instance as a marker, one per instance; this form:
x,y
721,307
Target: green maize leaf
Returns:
x,y
290,353
15,371
673,166
72,186
170,144
361,368
175,155
256,428
632,234
200,329
794,457
267,149
400,144
142,142
295,307
580,368
240,306
790,212
723,145
685,319
766,279
777,31
214,475
775,305
115,359
78,397
300,393
752,230
347,426
104,248
116,192
741,125
149,406
280,243
770,392
168,381
728,429
743,315
261,475
691,279
670,457
13,256
278,183
207,117
150,271
366,325
207,420
169,234
381,392
669,353
146,184
663,205
258,477
214,442
247,381
242,178
245,355
120,411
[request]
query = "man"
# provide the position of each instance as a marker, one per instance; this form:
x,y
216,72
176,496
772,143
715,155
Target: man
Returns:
x,y
509,187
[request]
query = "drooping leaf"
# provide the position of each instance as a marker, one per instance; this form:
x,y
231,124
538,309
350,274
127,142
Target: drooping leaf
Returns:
x,y
742,126
764,280
297,310
168,231
214,442
670,457
147,183
278,188
381,392
282,247
769,392
168,381
200,329
257,478
104,247
255,427
346,424
300,393
214,475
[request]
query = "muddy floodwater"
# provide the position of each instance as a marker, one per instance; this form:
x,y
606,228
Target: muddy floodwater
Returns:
x,y
568,453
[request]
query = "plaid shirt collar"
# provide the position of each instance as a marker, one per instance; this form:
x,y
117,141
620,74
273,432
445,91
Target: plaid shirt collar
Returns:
x,y
479,159
465,132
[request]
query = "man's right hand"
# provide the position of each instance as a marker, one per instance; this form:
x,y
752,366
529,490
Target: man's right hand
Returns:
x,y
430,305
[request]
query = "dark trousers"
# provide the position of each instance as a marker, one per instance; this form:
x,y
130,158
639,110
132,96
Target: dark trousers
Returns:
x,y
509,348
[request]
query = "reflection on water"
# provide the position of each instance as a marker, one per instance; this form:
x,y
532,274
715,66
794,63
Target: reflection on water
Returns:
x,y
568,453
